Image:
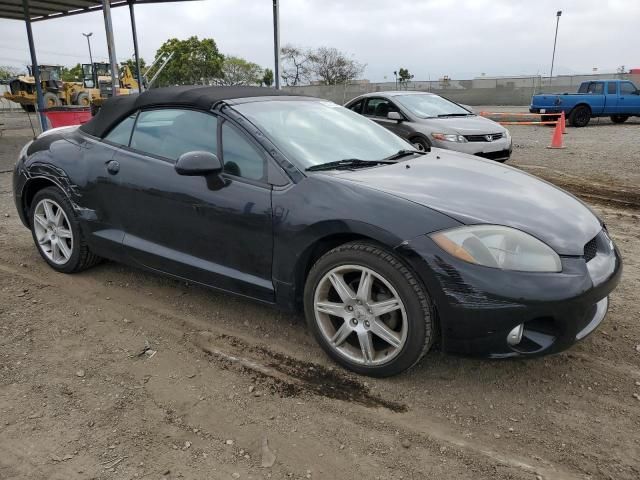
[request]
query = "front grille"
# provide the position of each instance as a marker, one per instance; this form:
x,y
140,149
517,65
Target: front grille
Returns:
x,y
489,137
495,155
591,249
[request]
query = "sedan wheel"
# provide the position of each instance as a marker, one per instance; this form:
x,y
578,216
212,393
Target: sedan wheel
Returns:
x,y
53,231
367,310
421,144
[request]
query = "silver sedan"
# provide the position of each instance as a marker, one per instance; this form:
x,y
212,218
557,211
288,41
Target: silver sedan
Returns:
x,y
429,120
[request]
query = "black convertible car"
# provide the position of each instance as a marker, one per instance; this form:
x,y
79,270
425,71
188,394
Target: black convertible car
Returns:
x,y
296,201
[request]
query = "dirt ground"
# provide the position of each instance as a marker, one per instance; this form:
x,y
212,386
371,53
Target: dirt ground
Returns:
x,y
120,374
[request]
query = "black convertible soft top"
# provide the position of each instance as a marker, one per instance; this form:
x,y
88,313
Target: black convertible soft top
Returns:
x,y
201,98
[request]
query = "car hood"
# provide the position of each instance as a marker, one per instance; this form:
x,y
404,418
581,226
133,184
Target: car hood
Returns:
x,y
462,125
477,191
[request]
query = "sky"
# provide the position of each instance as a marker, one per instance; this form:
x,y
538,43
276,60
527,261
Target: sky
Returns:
x,y
432,38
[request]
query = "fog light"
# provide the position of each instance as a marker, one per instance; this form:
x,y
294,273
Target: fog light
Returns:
x,y
515,335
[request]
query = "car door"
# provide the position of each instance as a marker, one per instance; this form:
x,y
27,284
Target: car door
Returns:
x,y
377,109
611,98
629,99
216,229
597,97
98,186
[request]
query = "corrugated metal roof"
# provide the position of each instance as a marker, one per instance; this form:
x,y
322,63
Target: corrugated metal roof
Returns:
x,y
44,10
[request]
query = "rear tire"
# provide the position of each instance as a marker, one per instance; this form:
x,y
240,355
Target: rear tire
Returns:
x,y
382,322
57,233
580,116
619,118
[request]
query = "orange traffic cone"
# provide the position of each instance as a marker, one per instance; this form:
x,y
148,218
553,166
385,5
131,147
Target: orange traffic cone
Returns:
x,y
563,121
556,140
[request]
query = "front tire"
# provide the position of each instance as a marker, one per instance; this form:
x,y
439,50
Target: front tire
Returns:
x,y
57,234
421,144
619,118
367,310
580,116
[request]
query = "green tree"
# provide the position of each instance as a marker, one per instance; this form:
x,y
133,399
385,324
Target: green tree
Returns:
x,y
7,72
131,63
404,76
72,74
238,71
267,78
194,62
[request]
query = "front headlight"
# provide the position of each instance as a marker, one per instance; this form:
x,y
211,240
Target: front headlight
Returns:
x,y
506,134
498,247
449,137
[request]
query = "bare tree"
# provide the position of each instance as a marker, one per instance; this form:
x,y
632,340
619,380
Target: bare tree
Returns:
x,y
332,67
295,65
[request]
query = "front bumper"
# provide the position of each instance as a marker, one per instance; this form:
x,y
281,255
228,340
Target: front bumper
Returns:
x,y
496,150
479,306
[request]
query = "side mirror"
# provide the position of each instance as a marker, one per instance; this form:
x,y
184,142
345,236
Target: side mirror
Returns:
x,y
395,116
198,163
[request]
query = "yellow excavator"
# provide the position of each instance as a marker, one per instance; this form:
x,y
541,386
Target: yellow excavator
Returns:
x,y
94,88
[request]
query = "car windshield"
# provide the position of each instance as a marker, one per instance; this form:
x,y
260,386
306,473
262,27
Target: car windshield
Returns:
x,y
317,132
428,106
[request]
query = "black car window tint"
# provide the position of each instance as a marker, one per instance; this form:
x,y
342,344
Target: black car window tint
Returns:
x,y
169,133
357,107
611,88
239,156
121,134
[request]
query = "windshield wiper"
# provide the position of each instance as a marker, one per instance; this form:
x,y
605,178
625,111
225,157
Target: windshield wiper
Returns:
x,y
403,153
455,115
348,163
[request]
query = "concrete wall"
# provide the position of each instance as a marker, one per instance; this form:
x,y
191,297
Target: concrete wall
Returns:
x,y
6,105
479,91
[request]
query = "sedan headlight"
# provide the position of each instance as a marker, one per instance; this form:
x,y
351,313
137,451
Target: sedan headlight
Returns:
x,y
449,137
506,134
498,247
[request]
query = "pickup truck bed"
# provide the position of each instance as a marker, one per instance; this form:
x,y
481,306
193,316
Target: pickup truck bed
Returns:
x,y
618,99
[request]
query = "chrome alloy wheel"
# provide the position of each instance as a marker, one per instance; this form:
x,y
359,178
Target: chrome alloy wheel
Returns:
x,y
53,231
360,314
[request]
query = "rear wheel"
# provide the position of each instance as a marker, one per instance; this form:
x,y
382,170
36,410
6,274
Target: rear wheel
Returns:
x,y
367,310
580,116
619,118
57,234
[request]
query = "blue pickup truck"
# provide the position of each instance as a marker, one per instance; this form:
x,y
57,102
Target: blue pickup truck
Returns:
x,y
618,99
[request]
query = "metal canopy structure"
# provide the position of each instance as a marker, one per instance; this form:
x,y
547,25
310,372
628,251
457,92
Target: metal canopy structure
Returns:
x,y
39,10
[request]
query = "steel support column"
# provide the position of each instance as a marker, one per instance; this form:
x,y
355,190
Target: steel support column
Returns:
x,y
108,27
276,42
34,66
134,32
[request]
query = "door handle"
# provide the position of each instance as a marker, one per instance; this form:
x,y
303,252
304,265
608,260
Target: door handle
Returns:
x,y
113,167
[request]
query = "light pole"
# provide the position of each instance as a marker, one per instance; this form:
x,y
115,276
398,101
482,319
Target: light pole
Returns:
x,y
395,74
88,35
553,57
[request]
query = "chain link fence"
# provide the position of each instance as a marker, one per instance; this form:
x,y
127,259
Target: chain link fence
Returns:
x,y
479,91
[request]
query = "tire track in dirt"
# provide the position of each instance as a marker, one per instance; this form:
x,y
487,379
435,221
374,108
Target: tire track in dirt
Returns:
x,y
290,376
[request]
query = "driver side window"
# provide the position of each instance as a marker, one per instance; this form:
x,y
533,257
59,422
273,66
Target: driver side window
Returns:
x,y
239,156
170,132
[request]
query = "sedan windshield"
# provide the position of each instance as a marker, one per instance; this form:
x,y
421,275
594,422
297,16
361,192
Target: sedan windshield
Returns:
x,y
317,132
429,106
